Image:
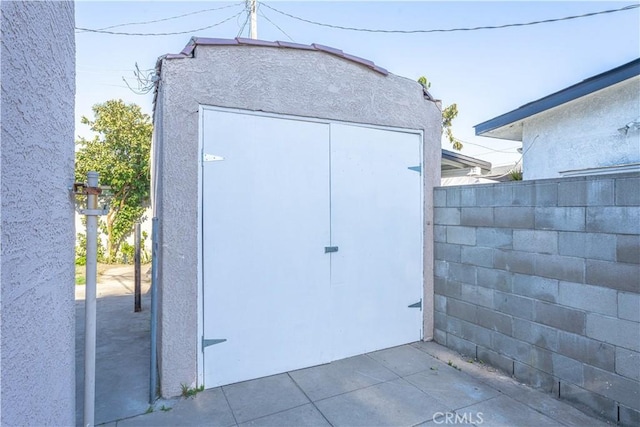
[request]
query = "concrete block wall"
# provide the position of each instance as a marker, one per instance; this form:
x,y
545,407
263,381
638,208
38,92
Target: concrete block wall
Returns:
x,y
542,280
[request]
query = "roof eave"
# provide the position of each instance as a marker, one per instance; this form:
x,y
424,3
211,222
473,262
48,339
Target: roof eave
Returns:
x,y
586,87
465,161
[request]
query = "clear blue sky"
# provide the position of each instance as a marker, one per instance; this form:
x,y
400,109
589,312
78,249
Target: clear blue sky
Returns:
x,y
486,72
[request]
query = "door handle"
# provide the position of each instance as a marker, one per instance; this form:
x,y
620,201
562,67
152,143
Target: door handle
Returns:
x,y
329,249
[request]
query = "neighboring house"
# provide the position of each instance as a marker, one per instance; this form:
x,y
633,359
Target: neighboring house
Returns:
x,y
458,169
268,157
37,308
592,127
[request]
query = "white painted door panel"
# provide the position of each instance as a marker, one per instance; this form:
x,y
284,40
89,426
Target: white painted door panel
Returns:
x,y
265,225
376,221
275,193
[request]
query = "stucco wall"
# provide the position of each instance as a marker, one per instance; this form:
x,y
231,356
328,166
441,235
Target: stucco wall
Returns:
x,y
584,133
286,81
36,169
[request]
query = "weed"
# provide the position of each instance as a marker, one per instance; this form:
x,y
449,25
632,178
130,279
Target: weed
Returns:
x,y
515,175
149,410
453,365
186,391
165,409
190,392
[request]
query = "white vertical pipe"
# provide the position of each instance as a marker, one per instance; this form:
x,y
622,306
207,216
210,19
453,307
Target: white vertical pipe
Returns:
x,y
90,304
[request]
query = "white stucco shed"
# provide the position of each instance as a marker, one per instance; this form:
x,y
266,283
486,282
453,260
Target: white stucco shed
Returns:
x,y
293,186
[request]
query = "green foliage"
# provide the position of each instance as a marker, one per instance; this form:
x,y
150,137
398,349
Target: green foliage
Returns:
x,y
190,392
81,249
453,365
515,175
145,255
448,114
119,152
128,253
424,82
81,275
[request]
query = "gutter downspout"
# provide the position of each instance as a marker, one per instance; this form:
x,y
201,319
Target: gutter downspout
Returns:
x,y
153,377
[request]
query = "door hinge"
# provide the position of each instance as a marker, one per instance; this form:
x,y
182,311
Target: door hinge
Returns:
x,y
211,158
207,343
417,304
328,249
416,168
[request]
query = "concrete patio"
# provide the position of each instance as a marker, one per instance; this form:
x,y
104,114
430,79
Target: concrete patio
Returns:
x,y
415,384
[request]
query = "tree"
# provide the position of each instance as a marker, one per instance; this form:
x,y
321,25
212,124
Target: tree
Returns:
x,y
119,152
448,114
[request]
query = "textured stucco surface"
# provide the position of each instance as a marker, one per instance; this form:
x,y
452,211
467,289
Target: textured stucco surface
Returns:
x,y
277,80
36,261
584,133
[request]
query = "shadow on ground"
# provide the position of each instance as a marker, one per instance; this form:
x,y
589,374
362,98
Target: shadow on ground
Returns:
x,y
421,383
122,348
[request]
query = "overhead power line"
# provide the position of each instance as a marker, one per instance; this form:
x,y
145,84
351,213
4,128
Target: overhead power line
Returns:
x,y
450,30
146,80
93,30
275,25
246,21
244,25
170,17
506,150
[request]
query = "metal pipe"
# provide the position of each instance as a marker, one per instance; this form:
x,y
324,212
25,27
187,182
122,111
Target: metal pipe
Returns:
x,y
153,377
90,302
137,299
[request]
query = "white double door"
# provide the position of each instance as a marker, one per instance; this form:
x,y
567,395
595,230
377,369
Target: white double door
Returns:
x,y
311,243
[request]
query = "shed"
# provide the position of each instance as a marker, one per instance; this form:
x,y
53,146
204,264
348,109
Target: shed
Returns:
x,y
293,186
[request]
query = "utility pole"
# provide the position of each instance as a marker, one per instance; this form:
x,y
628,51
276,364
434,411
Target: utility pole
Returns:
x,y
253,30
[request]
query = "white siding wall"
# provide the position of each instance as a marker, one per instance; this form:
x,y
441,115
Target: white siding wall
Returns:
x,y
37,334
584,133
